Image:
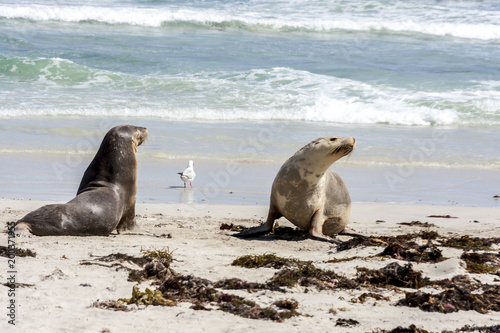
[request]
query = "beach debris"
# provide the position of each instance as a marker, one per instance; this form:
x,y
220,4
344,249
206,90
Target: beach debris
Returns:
x,y
16,252
308,275
362,298
200,291
471,243
339,260
232,227
266,260
392,274
110,305
443,216
462,293
238,284
120,258
474,328
359,240
148,297
346,322
411,329
482,262
413,252
419,224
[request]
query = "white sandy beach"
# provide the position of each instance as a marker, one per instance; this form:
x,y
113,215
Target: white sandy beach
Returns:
x,y
56,292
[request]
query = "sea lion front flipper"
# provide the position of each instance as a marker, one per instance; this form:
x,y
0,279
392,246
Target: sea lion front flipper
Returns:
x,y
316,229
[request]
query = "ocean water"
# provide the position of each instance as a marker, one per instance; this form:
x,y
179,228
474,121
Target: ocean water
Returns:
x,y
239,86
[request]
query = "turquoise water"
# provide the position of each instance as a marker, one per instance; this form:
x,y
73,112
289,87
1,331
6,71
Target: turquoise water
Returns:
x,y
417,83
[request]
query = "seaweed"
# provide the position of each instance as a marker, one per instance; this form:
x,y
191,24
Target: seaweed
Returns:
x,y
121,257
163,256
199,291
362,298
481,329
418,224
266,260
413,252
346,322
394,275
471,243
232,227
359,240
308,275
482,262
443,216
238,284
148,297
411,329
6,252
462,293
110,305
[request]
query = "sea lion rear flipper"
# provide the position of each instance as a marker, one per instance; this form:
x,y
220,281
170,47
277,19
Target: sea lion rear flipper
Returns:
x,y
263,229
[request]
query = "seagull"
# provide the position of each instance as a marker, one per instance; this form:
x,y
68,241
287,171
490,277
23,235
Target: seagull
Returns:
x,y
188,174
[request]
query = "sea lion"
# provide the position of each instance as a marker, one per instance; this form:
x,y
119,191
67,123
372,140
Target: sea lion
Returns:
x,y
105,199
308,194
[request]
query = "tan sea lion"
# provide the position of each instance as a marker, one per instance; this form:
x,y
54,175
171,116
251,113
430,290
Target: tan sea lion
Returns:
x,y
308,194
105,199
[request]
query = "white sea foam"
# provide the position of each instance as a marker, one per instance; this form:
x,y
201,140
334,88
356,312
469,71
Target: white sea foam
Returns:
x,y
460,22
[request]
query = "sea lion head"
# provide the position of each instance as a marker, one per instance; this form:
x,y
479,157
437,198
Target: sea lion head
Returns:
x,y
127,133
323,152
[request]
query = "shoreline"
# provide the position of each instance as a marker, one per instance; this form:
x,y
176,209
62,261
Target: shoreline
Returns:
x,y
66,277
53,178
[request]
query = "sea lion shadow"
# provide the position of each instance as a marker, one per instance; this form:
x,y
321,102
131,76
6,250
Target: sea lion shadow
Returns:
x,y
281,233
173,187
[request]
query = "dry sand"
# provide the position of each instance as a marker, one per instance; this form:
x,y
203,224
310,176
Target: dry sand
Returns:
x,y
56,291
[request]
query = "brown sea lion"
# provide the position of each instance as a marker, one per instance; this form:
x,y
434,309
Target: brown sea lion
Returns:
x,y
308,194
105,199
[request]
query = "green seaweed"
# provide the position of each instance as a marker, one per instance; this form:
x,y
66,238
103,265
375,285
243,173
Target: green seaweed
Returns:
x,y
470,243
394,275
163,256
265,260
148,297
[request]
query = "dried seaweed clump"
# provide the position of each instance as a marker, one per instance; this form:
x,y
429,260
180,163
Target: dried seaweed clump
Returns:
x,y
148,297
307,275
359,240
164,256
156,266
462,293
411,329
5,252
346,322
413,252
244,308
482,262
266,260
110,305
474,328
238,284
200,292
393,274
471,243
232,227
